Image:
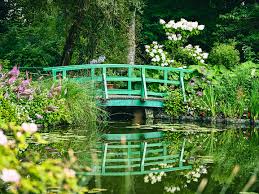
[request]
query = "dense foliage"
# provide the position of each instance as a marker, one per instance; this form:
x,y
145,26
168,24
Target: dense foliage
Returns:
x,y
43,102
27,172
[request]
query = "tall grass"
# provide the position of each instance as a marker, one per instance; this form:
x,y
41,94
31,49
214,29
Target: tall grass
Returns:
x,y
210,99
254,101
82,103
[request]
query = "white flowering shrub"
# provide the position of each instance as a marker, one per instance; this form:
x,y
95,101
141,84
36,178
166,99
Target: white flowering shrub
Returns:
x,y
174,51
197,53
157,54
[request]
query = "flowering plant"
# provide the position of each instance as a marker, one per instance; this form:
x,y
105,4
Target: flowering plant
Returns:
x,y
22,100
174,52
23,172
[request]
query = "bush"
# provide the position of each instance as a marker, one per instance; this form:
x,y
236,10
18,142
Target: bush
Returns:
x,y
174,103
25,172
224,54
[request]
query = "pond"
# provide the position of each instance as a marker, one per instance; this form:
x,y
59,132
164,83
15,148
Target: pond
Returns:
x,y
223,159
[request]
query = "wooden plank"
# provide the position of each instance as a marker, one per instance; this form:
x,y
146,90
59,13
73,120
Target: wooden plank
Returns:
x,y
143,156
104,157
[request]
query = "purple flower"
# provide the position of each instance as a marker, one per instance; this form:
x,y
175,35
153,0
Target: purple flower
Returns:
x,y
12,80
26,82
192,82
14,72
94,61
38,116
21,88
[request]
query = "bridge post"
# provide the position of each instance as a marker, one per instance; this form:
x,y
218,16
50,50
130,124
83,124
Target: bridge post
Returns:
x,y
182,85
144,85
149,114
105,84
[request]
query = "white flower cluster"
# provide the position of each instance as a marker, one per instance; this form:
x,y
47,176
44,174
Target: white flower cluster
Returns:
x,y
196,174
182,25
10,175
29,127
154,177
173,36
172,189
197,52
157,54
3,139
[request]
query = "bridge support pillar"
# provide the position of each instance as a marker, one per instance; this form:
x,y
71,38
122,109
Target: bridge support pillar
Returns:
x,y
149,114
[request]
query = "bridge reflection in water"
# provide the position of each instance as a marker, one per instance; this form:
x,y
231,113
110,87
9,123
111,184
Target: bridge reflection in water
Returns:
x,y
135,154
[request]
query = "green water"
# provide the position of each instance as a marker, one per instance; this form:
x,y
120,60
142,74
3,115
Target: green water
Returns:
x,y
225,159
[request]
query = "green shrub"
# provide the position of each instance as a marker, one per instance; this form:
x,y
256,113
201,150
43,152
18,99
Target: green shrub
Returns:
x,y
174,103
224,54
24,171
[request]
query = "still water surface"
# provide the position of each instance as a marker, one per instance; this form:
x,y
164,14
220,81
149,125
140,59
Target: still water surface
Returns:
x,y
225,159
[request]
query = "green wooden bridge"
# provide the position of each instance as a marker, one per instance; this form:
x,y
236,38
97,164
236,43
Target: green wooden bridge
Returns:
x,y
136,81
135,154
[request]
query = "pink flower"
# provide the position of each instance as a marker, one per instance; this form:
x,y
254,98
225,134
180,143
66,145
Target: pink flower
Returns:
x,y
38,116
10,175
29,127
14,72
3,138
69,173
12,80
26,82
199,93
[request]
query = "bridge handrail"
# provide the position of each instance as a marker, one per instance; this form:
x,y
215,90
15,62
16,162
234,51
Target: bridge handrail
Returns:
x,y
99,66
104,77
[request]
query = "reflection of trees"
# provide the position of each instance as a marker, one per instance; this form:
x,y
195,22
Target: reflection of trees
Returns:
x,y
235,157
236,149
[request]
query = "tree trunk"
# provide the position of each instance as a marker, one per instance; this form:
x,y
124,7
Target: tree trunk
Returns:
x,y
132,39
69,45
73,35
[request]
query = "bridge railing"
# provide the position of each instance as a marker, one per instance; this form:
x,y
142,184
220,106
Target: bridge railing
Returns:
x,y
129,74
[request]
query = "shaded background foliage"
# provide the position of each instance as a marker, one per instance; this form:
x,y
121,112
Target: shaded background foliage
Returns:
x,y
48,33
